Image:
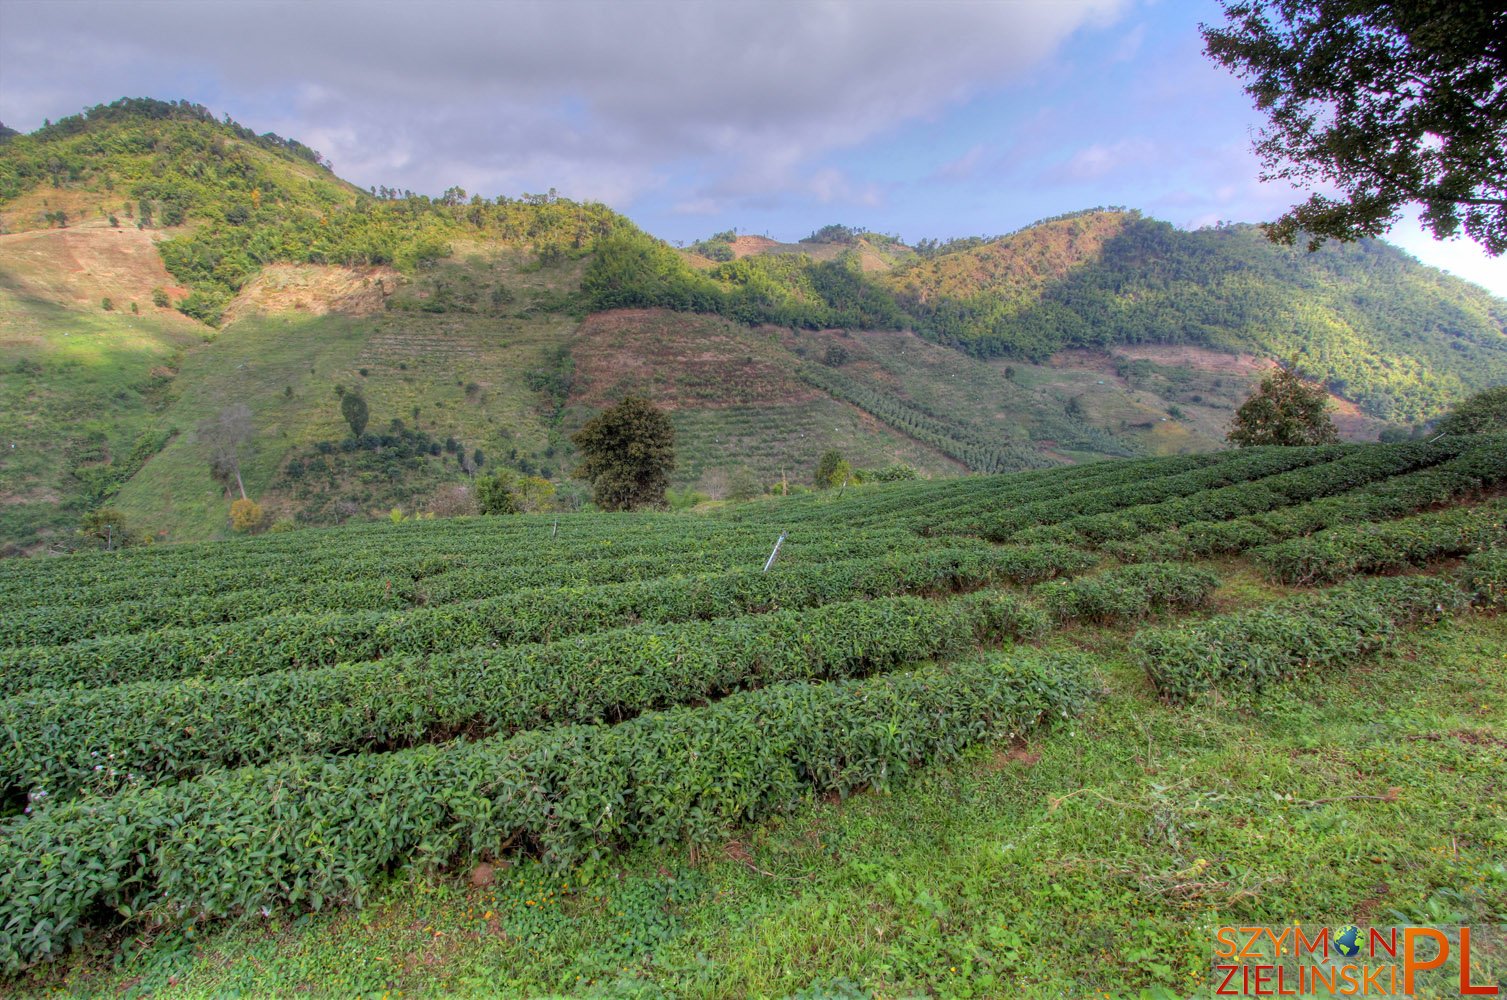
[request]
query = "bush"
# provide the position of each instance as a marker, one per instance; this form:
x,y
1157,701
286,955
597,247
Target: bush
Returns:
x,y
55,736
246,516
1129,592
1255,649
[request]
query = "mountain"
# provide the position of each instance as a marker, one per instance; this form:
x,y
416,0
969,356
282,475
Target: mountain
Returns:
x,y
158,264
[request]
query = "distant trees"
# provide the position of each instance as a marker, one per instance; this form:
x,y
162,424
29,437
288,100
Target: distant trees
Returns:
x,y
227,438
354,409
628,452
1483,413
1393,103
1285,410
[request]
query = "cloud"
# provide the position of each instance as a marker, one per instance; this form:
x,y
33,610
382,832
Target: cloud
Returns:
x,y
600,99
962,168
1098,160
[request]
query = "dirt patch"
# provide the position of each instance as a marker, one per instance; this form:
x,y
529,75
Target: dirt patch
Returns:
x,y
78,267
681,361
315,290
1019,754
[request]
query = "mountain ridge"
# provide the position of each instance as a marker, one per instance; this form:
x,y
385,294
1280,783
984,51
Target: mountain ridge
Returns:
x,y
490,323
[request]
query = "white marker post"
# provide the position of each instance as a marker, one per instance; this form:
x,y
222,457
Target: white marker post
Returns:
x,y
777,543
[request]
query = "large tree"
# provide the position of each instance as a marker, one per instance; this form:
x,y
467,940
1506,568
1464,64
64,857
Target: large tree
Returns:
x,y
627,453
1391,103
1285,410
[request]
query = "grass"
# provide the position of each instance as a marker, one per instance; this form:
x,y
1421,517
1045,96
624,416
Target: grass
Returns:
x,y
1093,862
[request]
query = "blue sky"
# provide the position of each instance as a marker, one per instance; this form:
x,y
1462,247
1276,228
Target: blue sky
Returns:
x,y
931,119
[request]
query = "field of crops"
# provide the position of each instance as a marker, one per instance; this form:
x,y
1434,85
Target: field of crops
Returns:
x,y
200,735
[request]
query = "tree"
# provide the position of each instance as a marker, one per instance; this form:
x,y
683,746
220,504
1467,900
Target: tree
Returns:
x,y
743,485
227,437
1285,410
1394,104
627,453
246,516
826,468
494,493
353,408
534,494
1483,413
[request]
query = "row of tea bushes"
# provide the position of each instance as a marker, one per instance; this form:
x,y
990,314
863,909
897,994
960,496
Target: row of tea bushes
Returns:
x,y
310,640
1128,592
1001,525
104,738
1254,649
1481,465
310,832
1339,553
61,740
435,574
1355,470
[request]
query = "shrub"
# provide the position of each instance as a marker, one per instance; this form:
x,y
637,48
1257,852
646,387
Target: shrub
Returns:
x,y
1255,649
246,516
1129,592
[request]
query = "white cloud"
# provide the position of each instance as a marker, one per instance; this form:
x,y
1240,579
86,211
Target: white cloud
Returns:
x,y
601,99
1099,160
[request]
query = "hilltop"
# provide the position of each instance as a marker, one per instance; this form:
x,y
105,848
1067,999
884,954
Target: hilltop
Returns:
x,y
157,264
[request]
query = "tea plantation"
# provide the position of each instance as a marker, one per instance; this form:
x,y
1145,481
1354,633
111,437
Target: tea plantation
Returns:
x,y
1022,735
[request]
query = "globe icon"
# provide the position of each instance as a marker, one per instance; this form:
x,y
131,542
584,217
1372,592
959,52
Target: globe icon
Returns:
x,y
1347,941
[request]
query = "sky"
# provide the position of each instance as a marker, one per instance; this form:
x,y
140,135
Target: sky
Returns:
x,y
924,118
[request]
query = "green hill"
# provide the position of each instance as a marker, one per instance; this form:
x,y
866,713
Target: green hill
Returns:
x,y
158,265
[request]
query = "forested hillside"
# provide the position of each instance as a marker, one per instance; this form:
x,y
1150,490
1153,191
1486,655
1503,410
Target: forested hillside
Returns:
x,y
158,264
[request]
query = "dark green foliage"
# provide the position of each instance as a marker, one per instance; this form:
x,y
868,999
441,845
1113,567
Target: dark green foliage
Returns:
x,y
1285,410
834,234
165,730
627,453
354,409
826,468
494,493
257,632
1254,649
1483,413
1339,553
1129,592
1345,472
311,832
1422,474
1393,103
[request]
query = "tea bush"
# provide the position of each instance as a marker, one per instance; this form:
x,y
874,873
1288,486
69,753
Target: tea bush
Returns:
x,y
1254,649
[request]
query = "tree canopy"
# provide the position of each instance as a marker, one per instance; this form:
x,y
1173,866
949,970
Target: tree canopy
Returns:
x,y
1393,103
1285,410
628,452
1483,413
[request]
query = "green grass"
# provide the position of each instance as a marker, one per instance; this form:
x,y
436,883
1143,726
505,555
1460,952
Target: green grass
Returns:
x,y
1094,861
76,391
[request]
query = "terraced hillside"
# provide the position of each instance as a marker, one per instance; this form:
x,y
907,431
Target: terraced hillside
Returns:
x,y
593,754
158,264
